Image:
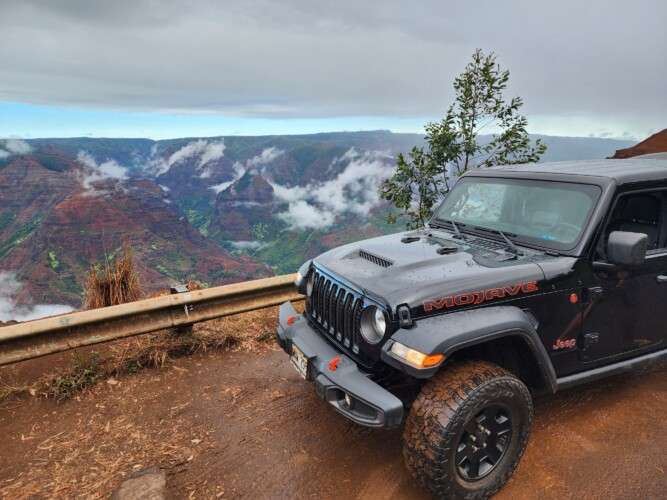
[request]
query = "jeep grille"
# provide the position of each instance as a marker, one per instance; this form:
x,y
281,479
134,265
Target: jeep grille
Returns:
x,y
336,310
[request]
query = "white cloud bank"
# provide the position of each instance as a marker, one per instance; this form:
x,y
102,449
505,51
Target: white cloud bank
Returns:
x,y
9,287
97,172
354,190
247,245
265,157
239,169
10,147
206,151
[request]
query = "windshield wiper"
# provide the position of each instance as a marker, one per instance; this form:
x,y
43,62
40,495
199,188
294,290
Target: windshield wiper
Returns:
x,y
504,236
459,235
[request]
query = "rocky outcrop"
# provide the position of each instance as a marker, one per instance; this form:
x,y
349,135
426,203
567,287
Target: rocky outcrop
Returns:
x,y
247,202
148,484
657,143
252,187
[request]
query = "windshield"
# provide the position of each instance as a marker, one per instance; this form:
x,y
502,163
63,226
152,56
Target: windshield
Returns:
x,y
549,214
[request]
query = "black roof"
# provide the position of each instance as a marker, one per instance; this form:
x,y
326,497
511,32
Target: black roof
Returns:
x,y
620,171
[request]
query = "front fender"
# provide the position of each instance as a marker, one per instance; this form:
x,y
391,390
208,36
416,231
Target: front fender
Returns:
x,y
452,332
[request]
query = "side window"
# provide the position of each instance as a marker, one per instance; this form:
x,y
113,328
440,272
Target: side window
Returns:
x,y
638,213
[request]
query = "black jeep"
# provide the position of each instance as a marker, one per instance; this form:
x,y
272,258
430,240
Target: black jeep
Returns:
x,y
527,279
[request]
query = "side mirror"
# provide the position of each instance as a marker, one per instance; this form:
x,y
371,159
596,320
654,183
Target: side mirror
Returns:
x,y
627,249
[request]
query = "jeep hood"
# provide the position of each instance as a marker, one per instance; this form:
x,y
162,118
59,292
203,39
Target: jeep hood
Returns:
x,y
399,271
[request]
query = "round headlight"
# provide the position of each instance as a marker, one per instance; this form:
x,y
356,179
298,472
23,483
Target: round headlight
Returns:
x,y
373,325
310,283
379,322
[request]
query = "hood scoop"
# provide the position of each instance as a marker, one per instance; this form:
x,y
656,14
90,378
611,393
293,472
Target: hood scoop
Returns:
x,y
375,259
444,250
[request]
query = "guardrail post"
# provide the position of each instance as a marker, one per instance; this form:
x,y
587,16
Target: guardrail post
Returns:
x,y
187,329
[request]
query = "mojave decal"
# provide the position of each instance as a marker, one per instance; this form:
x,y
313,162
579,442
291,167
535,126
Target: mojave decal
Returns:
x,y
479,296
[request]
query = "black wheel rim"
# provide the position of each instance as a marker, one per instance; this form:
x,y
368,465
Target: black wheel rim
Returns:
x,y
484,442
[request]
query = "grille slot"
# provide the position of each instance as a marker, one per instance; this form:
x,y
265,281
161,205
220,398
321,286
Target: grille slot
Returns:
x,y
337,311
380,261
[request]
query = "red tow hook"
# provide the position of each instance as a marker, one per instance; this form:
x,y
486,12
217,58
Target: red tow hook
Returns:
x,y
333,364
291,320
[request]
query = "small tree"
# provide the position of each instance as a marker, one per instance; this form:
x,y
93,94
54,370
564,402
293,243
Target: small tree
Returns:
x,y
453,144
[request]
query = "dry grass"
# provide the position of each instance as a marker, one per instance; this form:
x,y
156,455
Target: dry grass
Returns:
x,y
152,351
91,455
73,475
85,371
108,431
248,332
116,283
8,389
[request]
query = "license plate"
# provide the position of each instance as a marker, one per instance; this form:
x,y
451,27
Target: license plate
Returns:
x,y
299,361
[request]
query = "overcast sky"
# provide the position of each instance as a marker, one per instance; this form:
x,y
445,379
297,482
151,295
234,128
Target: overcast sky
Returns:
x,y
166,68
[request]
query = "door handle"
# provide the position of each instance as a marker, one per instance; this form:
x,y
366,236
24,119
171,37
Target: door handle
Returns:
x,y
590,339
661,278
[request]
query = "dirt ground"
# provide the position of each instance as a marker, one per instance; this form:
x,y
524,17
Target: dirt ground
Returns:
x,y
244,425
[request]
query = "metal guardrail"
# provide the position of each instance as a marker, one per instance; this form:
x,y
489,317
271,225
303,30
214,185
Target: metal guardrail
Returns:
x,y
41,337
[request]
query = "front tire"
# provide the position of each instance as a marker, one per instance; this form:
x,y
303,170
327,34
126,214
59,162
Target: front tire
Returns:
x,y
467,430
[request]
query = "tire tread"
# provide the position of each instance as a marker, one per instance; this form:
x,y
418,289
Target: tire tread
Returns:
x,y
437,412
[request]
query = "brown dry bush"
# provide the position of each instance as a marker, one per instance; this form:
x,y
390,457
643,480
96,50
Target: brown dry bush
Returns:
x,y
116,283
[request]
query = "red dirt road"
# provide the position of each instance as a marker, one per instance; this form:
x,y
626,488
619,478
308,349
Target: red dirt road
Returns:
x,y
239,425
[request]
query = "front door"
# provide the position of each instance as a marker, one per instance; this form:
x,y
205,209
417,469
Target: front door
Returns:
x,y
626,308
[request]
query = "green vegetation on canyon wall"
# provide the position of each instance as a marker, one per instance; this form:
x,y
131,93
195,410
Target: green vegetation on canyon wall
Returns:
x,y
215,210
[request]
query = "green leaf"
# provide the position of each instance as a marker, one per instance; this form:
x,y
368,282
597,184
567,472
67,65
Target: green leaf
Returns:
x,y
421,180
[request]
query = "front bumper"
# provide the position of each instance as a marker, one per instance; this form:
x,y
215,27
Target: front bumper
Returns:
x,y
372,405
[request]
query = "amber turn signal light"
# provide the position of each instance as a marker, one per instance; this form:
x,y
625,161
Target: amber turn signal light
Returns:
x,y
414,357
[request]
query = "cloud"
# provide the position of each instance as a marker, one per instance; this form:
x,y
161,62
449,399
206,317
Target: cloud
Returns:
x,y
17,146
206,151
304,215
349,155
237,172
97,172
247,245
352,191
239,169
298,59
187,151
14,147
9,310
219,188
213,152
265,157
